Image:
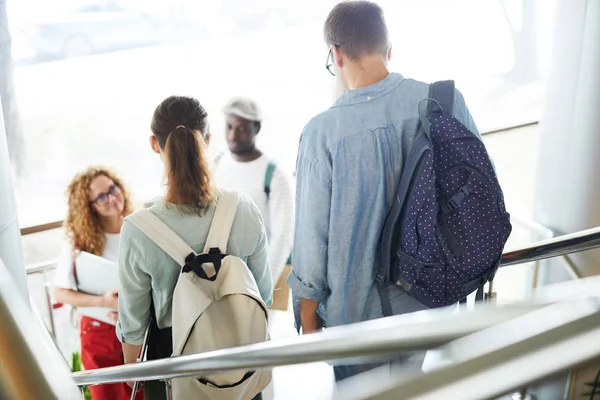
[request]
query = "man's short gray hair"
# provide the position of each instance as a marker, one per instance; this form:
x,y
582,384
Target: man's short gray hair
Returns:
x,y
358,28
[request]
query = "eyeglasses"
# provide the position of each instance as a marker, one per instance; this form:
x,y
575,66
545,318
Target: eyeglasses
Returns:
x,y
102,198
329,62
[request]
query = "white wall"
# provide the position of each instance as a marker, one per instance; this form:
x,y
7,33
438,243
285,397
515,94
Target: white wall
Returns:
x,y
10,234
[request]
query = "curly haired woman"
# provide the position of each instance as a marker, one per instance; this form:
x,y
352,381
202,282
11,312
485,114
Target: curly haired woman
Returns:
x,y
97,203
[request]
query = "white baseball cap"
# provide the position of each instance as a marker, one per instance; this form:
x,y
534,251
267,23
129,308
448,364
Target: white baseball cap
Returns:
x,y
243,107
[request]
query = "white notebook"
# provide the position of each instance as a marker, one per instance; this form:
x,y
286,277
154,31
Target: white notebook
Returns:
x,y
96,275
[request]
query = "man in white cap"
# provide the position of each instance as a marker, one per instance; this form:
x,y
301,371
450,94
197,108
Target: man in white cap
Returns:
x,y
246,169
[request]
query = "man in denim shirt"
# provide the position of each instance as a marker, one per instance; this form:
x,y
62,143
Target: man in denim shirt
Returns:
x,y
349,165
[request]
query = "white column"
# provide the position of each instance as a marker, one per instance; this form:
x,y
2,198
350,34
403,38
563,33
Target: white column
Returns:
x,y
567,193
10,234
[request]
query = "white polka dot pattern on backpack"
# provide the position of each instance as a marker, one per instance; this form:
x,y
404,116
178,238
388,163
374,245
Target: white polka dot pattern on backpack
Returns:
x,y
453,224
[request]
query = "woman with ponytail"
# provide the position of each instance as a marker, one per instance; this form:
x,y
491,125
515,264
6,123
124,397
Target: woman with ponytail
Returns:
x,y
147,274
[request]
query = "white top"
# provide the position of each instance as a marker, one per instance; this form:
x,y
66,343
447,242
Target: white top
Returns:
x,y
64,270
277,212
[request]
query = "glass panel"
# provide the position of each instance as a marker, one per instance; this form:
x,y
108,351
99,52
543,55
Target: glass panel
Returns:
x,y
88,75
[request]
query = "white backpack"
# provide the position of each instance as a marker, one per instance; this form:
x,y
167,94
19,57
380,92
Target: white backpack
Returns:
x,y
216,304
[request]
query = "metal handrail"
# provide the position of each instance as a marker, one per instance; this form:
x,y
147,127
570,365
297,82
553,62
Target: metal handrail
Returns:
x,y
558,246
373,339
40,267
521,351
393,335
32,367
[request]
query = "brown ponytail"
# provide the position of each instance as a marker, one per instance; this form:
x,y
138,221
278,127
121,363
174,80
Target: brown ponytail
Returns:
x,y
180,125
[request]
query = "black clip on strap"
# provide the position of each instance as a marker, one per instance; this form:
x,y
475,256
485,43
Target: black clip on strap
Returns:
x,y
194,263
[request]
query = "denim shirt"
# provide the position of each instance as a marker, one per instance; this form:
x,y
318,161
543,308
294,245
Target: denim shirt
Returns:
x,y
349,164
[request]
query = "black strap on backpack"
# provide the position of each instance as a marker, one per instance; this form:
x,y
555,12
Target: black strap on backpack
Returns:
x,y
267,184
159,345
443,94
268,173
269,178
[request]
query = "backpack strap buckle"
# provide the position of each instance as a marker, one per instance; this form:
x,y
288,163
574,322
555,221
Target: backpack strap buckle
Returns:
x,y
194,263
455,202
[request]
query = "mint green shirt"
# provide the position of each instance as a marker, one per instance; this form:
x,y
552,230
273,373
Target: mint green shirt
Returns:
x,y
147,273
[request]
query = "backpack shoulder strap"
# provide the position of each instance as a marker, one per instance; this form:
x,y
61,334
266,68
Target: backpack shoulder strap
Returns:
x,y
160,233
269,177
220,227
443,93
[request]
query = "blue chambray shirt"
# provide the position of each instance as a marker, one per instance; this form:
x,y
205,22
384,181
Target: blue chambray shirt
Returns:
x,y
349,164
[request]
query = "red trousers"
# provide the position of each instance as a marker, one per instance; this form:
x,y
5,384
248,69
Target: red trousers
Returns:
x,y
100,348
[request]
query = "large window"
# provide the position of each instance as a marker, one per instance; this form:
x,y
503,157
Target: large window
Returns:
x,y
88,74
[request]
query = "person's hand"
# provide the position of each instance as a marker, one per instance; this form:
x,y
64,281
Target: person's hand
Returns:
x,y
132,383
309,318
111,300
311,324
114,316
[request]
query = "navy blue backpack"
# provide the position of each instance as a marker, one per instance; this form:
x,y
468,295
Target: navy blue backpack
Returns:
x,y
444,235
